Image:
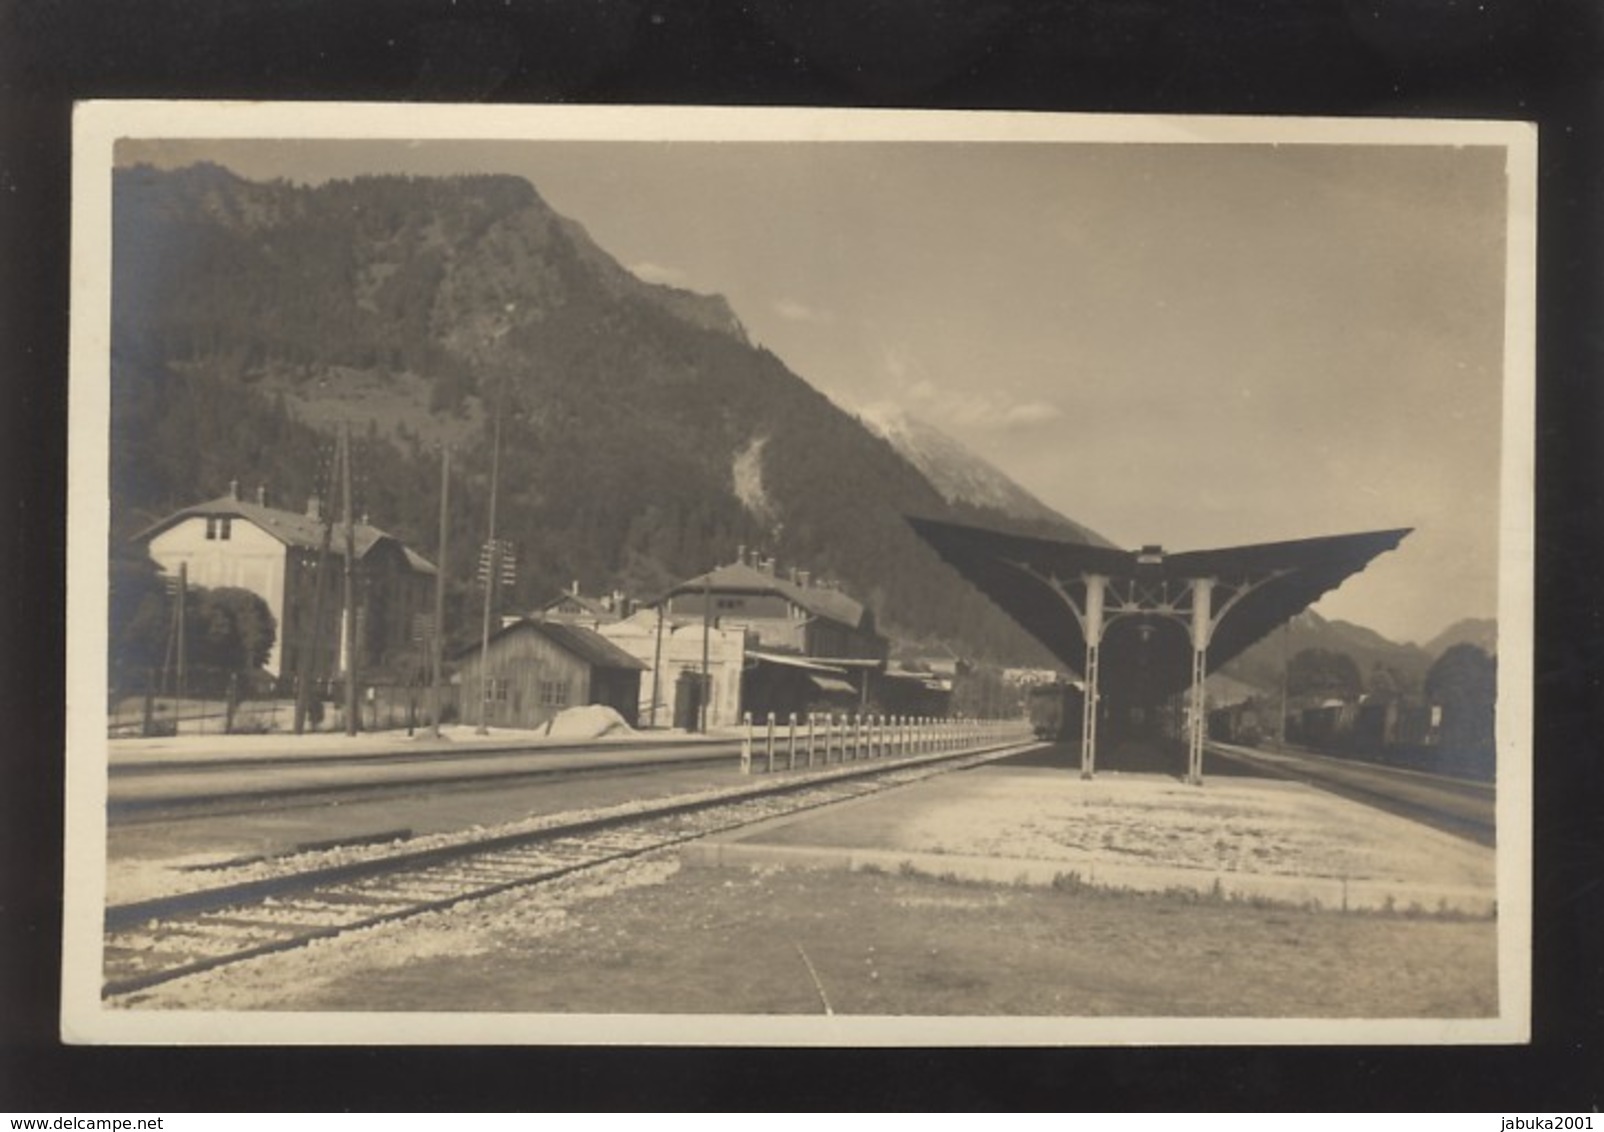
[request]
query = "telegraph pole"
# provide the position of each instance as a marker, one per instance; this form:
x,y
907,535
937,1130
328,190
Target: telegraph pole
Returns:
x,y
492,579
311,652
1286,648
183,631
657,663
348,628
707,629
437,660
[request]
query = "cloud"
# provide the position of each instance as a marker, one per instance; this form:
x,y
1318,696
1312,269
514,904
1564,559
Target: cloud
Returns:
x,y
657,273
1031,413
793,311
994,411
973,409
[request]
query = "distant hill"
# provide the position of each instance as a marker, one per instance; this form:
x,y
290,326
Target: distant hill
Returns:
x,y
1479,631
644,437
1261,665
962,477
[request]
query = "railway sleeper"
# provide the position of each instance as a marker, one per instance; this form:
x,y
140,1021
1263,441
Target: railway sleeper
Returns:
x,y
173,932
412,892
510,873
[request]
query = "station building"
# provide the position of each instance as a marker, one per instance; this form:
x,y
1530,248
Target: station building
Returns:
x,y
671,650
274,554
809,645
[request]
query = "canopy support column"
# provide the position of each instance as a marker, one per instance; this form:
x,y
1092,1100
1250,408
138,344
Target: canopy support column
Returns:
x,y
1092,627
1197,721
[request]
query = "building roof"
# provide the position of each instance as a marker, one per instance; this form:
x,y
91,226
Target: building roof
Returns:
x,y
786,660
1025,576
587,644
591,605
292,528
737,577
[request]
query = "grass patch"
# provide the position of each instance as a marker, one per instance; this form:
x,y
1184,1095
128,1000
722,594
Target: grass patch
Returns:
x,y
731,941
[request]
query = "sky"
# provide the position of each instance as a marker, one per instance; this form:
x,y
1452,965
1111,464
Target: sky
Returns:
x,y
1191,345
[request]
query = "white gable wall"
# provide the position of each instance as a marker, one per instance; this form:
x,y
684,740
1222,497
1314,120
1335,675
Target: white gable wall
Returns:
x,y
250,559
681,651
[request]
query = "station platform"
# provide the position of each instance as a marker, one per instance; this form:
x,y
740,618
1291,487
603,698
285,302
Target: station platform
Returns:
x,y
1032,820
186,751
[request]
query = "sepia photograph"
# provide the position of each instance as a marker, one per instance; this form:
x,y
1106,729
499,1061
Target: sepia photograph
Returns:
x,y
820,577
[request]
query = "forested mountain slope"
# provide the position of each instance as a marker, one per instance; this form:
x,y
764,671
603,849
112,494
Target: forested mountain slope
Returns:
x,y
250,319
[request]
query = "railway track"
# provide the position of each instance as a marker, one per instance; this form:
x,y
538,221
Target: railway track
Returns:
x,y
156,941
1457,806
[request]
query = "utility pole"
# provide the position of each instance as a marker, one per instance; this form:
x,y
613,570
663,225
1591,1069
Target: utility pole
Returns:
x,y
348,629
492,579
657,664
183,601
310,653
707,629
437,662
1286,648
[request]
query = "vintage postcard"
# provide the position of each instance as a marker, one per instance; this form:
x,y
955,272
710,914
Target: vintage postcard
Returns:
x,y
713,576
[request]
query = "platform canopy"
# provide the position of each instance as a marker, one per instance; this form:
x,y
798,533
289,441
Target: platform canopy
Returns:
x,y
1147,596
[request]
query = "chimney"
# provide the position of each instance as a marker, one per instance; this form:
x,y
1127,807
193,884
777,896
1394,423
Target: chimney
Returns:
x,y
803,577
768,566
740,555
233,489
573,587
261,495
792,574
314,507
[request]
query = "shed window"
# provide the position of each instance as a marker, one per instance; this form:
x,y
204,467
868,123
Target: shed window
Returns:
x,y
554,693
496,689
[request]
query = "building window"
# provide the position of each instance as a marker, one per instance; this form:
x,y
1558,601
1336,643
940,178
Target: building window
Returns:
x,y
554,693
728,603
225,527
496,689
211,526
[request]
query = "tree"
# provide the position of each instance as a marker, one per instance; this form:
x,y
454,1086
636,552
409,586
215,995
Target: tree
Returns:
x,y
1323,674
1387,683
227,631
137,621
1464,684
982,693
239,627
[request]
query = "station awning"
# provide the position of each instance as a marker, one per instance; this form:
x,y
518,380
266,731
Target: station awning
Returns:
x,y
1036,581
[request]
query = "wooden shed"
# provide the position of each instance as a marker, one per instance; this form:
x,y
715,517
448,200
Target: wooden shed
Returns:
x,y
536,669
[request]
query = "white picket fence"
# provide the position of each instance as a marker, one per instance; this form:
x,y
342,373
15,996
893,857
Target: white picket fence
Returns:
x,y
824,739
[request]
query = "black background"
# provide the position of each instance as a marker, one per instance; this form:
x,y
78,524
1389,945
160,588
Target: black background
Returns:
x,y
1509,59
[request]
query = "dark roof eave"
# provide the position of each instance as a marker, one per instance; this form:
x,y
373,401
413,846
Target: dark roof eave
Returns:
x,y
1014,573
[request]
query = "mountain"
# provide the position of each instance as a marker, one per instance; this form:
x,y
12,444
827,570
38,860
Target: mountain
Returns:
x,y
962,477
1479,631
1262,664
642,437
